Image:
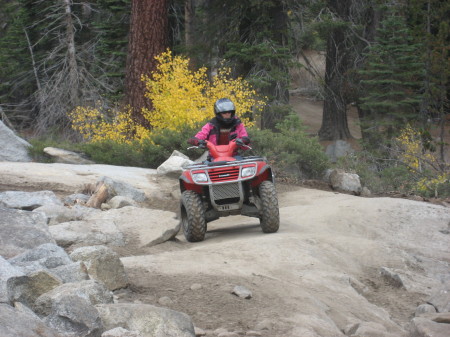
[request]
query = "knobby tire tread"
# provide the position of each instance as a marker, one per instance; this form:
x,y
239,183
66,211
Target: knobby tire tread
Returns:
x,y
194,225
270,217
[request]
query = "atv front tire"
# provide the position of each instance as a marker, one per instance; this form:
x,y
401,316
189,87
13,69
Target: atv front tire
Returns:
x,y
192,216
270,215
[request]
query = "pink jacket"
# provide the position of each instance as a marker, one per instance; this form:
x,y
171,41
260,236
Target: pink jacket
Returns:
x,y
210,131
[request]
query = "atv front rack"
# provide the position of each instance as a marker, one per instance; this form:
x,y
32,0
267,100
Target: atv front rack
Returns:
x,y
221,163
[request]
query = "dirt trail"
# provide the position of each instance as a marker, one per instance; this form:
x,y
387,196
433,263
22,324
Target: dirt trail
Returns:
x,y
314,277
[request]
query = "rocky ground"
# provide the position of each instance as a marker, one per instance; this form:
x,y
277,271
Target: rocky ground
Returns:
x,y
339,265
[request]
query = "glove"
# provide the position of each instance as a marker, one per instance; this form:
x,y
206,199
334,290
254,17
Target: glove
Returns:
x,y
202,143
232,136
193,141
246,140
239,142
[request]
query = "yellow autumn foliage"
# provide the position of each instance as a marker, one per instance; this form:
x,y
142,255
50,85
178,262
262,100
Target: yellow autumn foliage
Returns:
x,y
181,97
96,124
422,163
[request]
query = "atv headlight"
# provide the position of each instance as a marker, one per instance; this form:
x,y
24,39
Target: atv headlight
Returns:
x,y
248,171
200,177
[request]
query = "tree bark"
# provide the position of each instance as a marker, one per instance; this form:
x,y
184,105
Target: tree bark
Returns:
x,y
148,38
334,120
71,55
189,19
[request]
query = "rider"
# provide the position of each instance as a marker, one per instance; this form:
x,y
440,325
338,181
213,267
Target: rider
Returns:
x,y
222,128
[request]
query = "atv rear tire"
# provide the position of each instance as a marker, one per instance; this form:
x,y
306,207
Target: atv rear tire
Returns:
x,y
270,215
192,216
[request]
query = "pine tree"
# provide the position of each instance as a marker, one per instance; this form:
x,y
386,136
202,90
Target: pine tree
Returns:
x,y
391,79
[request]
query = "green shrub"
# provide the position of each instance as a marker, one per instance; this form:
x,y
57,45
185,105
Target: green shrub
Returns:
x,y
290,149
148,153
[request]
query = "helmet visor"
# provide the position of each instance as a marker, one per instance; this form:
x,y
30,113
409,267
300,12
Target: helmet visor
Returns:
x,y
226,106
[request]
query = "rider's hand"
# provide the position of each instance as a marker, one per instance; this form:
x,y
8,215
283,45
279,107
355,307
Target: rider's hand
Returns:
x,y
232,136
239,142
193,141
202,143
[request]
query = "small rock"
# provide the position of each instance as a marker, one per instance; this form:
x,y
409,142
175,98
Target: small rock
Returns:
x,y
165,301
242,292
366,192
253,333
265,324
424,309
220,330
199,332
393,278
105,207
196,286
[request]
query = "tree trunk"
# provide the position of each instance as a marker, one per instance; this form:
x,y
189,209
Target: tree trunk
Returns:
x,y
148,38
189,19
71,56
334,120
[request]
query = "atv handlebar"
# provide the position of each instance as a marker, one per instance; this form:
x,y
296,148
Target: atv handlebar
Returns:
x,y
205,146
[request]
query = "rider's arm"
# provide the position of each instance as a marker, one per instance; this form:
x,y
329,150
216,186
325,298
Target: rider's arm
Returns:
x,y
242,133
203,134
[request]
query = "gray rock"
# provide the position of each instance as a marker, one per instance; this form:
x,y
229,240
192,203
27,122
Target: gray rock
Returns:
x,y
26,289
174,165
103,265
94,292
121,332
441,300
7,271
74,316
76,198
423,327
345,182
149,320
424,309
22,323
199,332
73,272
22,230
29,200
392,277
116,187
146,227
366,192
165,301
87,233
56,214
338,149
367,329
66,157
196,286
121,201
241,291
45,256
438,317
12,147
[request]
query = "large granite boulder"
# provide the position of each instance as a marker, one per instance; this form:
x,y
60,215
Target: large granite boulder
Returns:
x,y
149,320
15,322
22,230
12,147
102,264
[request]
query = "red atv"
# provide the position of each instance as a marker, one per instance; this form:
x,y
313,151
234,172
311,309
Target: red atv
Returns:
x,y
227,186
